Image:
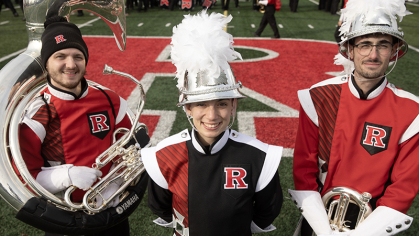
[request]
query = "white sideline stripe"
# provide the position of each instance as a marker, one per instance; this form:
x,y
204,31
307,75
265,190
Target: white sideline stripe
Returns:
x,y
252,25
168,24
411,47
280,26
12,55
317,3
412,4
141,24
4,22
88,23
310,26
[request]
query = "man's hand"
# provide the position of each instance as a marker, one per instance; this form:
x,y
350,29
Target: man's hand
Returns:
x,y
83,177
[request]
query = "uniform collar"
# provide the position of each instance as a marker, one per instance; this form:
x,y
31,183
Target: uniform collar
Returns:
x,y
65,95
373,93
213,148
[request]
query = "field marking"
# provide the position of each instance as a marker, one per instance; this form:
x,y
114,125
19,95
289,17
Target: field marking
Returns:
x,y
280,26
165,54
412,4
245,119
168,37
317,3
4,22
168,24
253,26
12,55
141,24
22,50
415,49
89,23
310,26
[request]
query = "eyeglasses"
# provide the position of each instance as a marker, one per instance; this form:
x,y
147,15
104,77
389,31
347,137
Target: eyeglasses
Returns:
x,y
383,49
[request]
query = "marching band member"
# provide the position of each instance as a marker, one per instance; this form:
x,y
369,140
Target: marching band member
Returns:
x,y
70,123
211,180
360,131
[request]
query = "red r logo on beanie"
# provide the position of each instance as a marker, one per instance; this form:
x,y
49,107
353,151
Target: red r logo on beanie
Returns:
x,y
60,38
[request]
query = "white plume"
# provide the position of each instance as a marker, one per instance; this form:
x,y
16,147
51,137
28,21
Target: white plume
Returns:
x,y
355,8
347,64
200,43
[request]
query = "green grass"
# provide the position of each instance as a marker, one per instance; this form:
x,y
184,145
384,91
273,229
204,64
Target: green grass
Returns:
x,y
13,37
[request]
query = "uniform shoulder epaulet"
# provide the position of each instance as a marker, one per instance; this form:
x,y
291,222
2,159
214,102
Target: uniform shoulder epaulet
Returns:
x,y
180,137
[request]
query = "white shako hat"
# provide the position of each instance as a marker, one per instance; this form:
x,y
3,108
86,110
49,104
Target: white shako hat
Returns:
x,y
362,17
201,50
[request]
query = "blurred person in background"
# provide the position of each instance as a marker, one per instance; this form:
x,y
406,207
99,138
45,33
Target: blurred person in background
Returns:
x,y
269,17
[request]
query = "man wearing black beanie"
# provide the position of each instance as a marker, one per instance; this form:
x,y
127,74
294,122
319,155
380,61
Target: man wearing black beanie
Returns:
x,y
70,123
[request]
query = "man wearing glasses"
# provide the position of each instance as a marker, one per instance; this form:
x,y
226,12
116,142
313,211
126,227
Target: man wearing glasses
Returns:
x,y
359,132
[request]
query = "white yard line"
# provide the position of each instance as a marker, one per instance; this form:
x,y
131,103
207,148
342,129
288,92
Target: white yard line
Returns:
x,y
412,4
253,26
317,3
310,26
88,23
12,55
4,22
141,24
280,26
413,48
168,24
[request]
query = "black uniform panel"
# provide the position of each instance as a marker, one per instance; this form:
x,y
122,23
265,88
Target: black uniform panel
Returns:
x,y
221,189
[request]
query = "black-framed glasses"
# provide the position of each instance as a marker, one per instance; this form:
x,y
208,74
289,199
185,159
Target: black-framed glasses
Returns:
x,y
383,49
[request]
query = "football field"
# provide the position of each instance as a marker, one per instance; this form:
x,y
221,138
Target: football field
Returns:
x,y
272,72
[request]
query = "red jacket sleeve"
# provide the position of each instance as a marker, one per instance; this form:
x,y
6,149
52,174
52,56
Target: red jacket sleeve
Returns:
x,y
404,186
305,168
30,147
277,5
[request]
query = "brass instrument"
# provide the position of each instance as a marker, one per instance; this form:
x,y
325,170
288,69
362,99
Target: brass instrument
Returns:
x,y
261,7
128,164
337,208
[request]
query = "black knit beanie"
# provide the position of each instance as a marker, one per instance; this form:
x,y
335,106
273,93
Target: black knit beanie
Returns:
x,y
60,34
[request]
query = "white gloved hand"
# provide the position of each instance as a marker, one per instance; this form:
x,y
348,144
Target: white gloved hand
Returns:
x,y
54,179
83,177
263,2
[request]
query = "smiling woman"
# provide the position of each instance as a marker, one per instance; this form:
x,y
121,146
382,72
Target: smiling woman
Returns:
x,y
211,118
